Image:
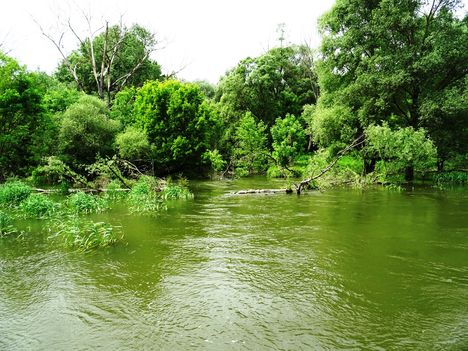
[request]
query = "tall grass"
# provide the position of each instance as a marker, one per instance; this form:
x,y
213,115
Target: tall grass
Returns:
x,y
175,192
114,191
82,203
455,177
144,198
81,234
38,206
12,193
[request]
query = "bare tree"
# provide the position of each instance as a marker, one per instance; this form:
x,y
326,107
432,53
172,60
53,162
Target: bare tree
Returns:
x,y
103,61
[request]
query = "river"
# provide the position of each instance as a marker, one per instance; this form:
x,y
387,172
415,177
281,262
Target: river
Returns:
x,y
341,269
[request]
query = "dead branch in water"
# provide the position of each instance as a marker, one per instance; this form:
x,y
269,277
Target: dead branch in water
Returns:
x,y
356,142
301,186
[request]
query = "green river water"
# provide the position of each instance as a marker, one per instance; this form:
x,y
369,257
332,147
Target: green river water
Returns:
x,y
335,270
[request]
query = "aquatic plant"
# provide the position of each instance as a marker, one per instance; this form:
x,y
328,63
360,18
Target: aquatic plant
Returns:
x,y
144,197
85,234
455,177
12,193
38,206
175,192
114,191
81,202
6,227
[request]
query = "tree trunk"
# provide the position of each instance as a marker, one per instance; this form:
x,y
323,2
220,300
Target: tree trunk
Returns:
x,y
369,165
440,165
409,173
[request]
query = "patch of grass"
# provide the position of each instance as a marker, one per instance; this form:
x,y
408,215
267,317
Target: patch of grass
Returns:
x,y
6,227
81,234
114,191
144,198
82,203
176,192
455,177
38,206
12,193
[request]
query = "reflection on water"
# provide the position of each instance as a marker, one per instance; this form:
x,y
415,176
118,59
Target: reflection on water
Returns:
x,y
341,269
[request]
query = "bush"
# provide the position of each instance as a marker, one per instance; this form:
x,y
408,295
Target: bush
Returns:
x,y
12,193
86,130
288,140
38,206
81,202
133,144
87,235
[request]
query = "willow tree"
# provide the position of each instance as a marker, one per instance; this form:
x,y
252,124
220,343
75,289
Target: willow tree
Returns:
x,y
393,61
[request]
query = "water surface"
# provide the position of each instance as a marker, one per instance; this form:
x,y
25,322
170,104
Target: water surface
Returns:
x,y
341,269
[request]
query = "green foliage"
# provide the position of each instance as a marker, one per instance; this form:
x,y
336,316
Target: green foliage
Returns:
x,y
330,125
86,235
454,177
178,122
269,86
22,123
144,198
402,62
405,146
55,171
122,106
288,140
130,65
38,206
82,203
133,144
6,227
13,192
250,152
114,191
208,89
176,191
86,130
215,160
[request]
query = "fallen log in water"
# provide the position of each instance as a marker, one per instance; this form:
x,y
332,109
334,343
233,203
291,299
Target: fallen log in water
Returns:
x,y
75,190
306,182
262,191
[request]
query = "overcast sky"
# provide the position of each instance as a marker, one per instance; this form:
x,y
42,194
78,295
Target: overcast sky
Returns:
x,y
207,37
204,37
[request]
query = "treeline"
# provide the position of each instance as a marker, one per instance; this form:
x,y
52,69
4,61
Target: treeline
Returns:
x,y
391,74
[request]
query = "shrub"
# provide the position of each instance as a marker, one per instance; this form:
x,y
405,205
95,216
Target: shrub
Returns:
x,y
87,235
38,206
133,144
12,193
86,130
81,202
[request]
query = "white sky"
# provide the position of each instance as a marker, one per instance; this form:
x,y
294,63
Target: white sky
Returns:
x,y
207,37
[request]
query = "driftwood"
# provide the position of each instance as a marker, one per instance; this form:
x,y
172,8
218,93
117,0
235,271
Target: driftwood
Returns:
x,y
75,190
262,191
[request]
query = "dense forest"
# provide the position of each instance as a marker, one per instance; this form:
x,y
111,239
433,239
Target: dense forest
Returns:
x,y
384,100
